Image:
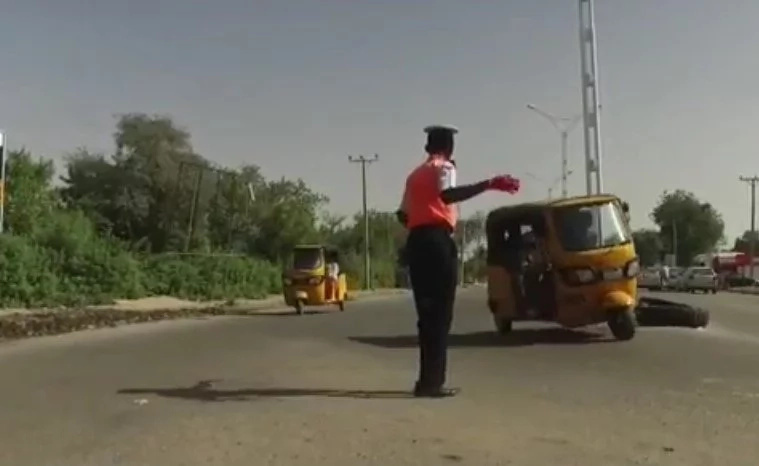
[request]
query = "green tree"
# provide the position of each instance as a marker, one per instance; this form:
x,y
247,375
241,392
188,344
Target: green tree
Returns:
x,y
697,226
232,226
138,194
743,243
286,214
30,196
106,194
386,239
470,232
331,226
648,245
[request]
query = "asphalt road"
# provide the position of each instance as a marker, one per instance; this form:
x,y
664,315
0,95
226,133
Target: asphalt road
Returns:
x,y
331,389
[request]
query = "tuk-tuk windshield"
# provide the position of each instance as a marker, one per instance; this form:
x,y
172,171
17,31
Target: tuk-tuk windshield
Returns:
x,y
583,228
307,258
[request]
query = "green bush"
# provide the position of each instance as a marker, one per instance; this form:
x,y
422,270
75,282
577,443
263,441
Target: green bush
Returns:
x,y
210,276
90,268
26,278
68,263
383,271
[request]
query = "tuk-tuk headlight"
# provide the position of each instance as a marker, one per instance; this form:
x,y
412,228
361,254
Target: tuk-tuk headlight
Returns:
x,y
314,280
287,281
632,269
581,276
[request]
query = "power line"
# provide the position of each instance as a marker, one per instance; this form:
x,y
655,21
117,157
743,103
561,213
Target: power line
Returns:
x,y
364,161
752,180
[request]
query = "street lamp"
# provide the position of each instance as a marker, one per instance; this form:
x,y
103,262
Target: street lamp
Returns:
x,y
564,126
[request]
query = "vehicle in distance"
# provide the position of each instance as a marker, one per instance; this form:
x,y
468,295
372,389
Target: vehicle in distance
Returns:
x,y
698,279
651,279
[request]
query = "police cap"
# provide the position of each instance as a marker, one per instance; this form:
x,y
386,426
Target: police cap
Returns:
x,y
441,129
440,138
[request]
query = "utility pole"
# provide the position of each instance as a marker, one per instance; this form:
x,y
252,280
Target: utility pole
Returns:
x,y
752,180
364,161
193,208
674,243
201,169
590,104
564,126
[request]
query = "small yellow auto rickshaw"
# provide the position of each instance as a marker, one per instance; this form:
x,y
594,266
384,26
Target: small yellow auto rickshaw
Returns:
x,y
306,281
570,261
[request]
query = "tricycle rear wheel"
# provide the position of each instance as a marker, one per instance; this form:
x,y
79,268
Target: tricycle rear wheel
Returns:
x,y
623,325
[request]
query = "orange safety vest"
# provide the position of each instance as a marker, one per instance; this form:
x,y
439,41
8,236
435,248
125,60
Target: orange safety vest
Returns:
x,y
421,199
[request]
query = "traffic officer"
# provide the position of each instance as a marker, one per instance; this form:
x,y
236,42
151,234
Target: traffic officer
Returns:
x,y
428,212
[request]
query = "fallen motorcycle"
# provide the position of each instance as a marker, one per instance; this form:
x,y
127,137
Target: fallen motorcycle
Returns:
x,y
657,312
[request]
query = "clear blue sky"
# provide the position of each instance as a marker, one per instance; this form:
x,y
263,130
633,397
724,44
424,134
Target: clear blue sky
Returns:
x,y
290,84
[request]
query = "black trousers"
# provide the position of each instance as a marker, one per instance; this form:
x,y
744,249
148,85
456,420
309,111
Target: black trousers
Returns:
x,y
433,267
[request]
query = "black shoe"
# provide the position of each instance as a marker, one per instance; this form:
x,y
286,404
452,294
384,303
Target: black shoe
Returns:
x,y
437,392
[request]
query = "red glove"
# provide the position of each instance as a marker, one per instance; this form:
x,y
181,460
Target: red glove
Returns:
x,y
505,183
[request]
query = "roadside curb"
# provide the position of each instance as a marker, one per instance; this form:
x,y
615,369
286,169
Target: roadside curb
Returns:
x,y
35,323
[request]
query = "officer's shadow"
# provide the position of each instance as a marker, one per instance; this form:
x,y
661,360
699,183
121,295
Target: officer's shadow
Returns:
x,y
205,391
517,338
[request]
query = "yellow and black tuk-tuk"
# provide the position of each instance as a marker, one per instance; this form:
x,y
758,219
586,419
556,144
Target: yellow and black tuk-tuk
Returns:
x,y
570,261
306,282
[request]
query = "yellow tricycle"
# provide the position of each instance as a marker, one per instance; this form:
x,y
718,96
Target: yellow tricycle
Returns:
x,y
571,261
314,279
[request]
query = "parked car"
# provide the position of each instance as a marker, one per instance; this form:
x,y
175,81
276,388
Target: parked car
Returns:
x,y
698,278
674,276
651,279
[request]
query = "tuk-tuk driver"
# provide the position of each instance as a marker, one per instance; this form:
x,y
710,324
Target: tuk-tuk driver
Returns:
x,y
333,272
578,230
428,212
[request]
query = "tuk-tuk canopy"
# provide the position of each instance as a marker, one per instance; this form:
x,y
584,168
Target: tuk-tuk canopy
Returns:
x,y
504,226
310,256
499,219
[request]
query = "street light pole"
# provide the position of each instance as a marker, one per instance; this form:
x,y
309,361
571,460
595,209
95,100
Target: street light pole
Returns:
x,y
364,161
564,126
590,103
752,180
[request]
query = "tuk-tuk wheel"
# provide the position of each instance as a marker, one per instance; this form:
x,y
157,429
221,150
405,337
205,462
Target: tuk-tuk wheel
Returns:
x,y
623,325
341,305
299,308
502,325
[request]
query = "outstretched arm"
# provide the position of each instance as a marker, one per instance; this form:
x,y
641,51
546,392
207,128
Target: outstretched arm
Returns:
x,y
457,194
450,193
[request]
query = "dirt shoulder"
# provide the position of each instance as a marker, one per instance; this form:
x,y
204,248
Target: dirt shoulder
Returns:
x,y
25,323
